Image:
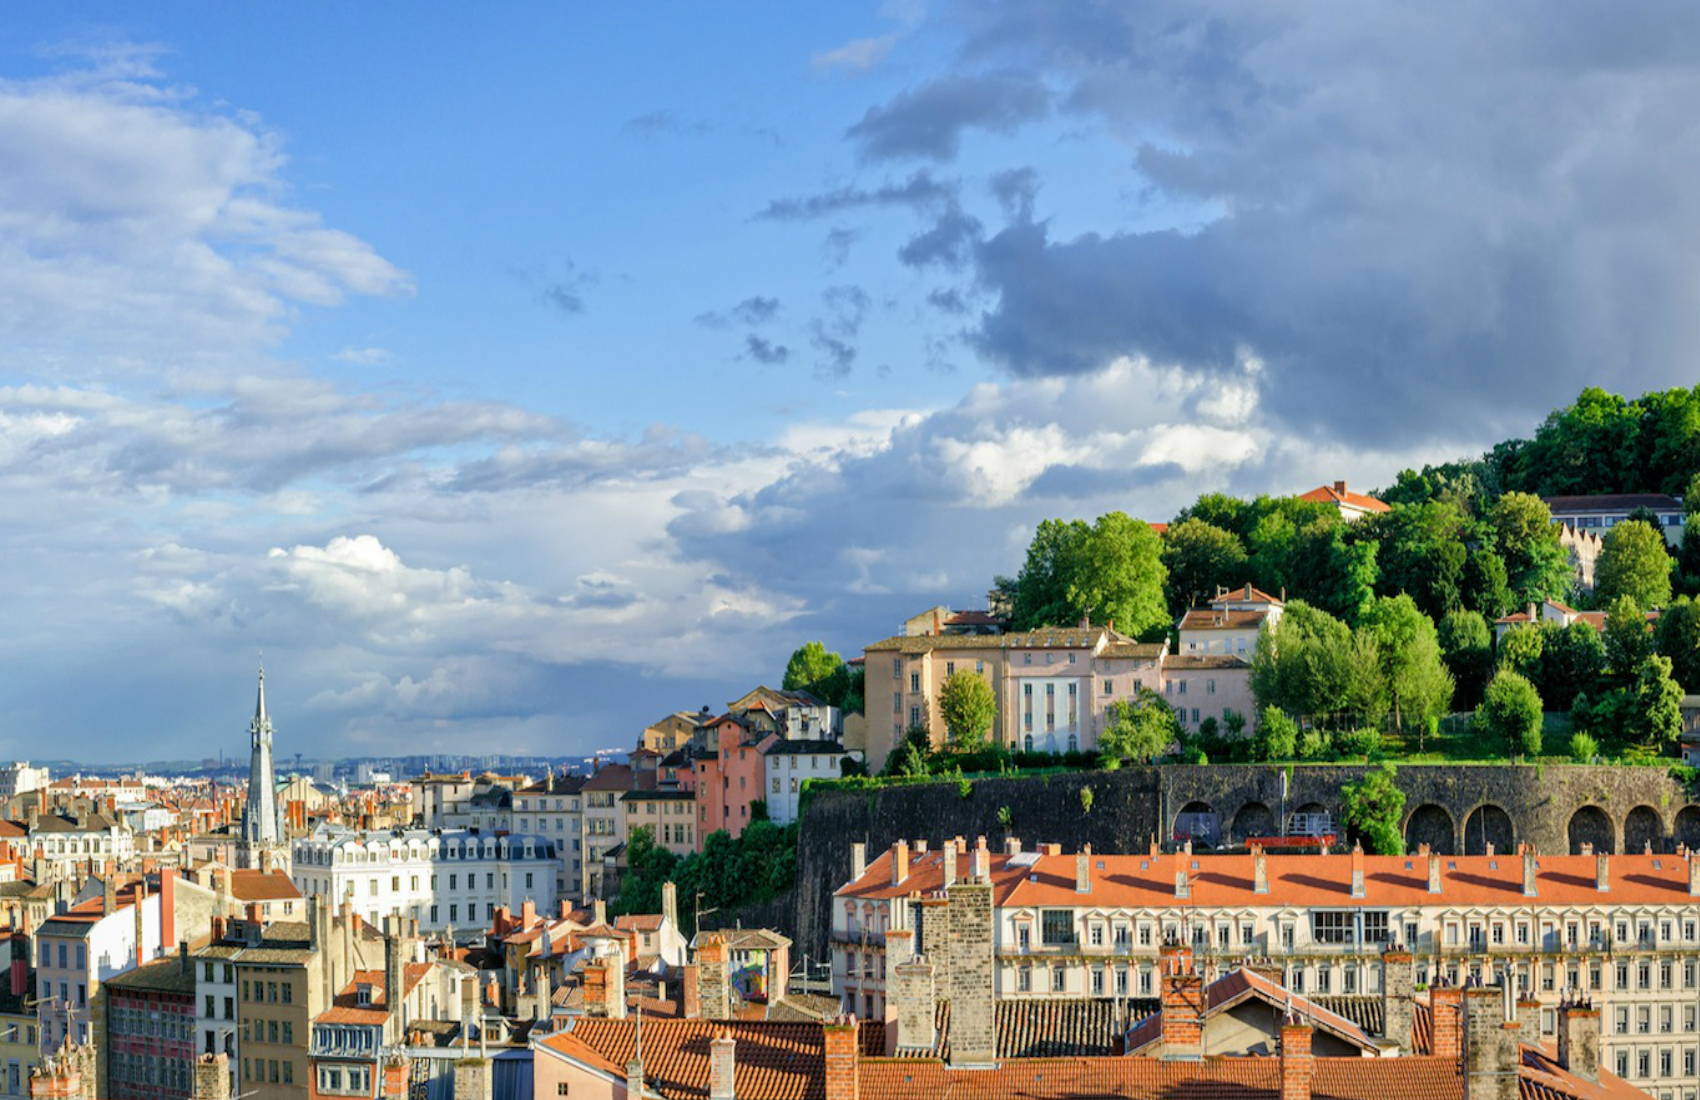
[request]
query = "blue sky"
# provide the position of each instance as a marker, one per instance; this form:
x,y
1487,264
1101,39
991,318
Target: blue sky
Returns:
x,y
512,378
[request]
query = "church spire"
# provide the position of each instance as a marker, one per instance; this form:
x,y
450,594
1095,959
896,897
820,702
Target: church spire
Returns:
x,y
262,724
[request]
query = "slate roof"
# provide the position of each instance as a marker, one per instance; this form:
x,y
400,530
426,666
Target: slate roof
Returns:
x,y
160,976
1613,502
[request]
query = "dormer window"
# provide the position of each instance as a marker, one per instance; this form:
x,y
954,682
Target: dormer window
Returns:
x,y
363,994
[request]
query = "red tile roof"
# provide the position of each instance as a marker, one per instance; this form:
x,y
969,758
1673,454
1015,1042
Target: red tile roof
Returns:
x,y
347,1009
1203,618
1303,880
262,886
772,1061
1242,985
1245,593
1337,493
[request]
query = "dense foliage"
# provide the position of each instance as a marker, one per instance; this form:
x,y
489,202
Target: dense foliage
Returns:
x,y
967,705
727,873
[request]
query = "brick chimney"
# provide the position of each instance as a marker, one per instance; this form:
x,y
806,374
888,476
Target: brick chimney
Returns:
x,y
1446,1004
1579,1039
1490,1043
1434,872
690,993
1357,870
858,860
1083,870
1182,1003
947,863
1398,986
899,862
841,1071
1259,870
1602,872
721,1068
1529,867
1298,1065
1340,487
211,1078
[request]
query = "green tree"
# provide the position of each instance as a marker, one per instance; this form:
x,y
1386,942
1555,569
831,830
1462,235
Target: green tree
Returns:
x,y
820,672
1218,510
1688,553
1373,807
1627,640
1572,660
1422,554
1277,736
1138,729
1200,556
968,708
1520,650
1656,718
648,865
1121,575
1367,694
1466,645
909,756
1487,585
1587,447
1418,684
1677,636
1537,568
1040,592
1633,562
1510,714
1303,665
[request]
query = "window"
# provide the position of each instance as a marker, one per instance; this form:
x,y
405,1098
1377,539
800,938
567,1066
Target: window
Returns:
x,y
1056,927
914,681
1331,926
1059,976
1024,980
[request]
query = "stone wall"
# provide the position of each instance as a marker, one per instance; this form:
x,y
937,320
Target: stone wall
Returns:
x,y
1453,808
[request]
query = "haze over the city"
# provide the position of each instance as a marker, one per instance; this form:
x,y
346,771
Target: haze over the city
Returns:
x,y
512,376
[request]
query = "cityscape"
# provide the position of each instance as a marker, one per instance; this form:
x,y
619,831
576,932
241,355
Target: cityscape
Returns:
x,y
919,549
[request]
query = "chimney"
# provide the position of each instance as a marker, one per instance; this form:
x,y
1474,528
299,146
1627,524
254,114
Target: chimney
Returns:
x,y
1357,870
670,904
167,908
714,981
1446,1005
1490,1045
858,860
1693,875
899,947
1579,1039
1398,985
721,1068
841,1071
947,864
1340,487
690,993
1011,845
967,968
899,862
1298,1065
1528,871
527,914
634,1079
1434,872
1602,872
1083,870
915,1000
599,911
140,910
211,1078
1182,890
1182,1003
108,896
982,863
393,991
1528,1019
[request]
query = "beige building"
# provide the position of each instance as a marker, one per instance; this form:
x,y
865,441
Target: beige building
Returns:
x,y
669,815
1621,931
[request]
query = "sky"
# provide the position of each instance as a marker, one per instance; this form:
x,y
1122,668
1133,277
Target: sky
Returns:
x,y
512,376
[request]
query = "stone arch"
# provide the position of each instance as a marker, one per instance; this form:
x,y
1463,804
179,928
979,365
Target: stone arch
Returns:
x,y
1590,825
1198,821
1489,824
1253,819
1643,826
1431,824
1687,830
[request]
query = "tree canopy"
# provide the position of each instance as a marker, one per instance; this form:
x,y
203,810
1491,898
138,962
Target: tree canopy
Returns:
x,y
1138,729
1510,714
968,708
1633,562
820,672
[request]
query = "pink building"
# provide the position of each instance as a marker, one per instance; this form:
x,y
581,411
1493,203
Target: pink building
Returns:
x,y
729,773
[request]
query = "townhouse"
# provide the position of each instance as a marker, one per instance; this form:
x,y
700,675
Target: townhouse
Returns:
x,y
1621,931
553,808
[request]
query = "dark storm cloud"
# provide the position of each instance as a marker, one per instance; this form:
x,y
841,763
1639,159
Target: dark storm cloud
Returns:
x,y
928,121
1416,219
1015,190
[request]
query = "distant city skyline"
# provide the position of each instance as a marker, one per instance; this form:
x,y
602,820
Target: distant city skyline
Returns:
x,y
514,380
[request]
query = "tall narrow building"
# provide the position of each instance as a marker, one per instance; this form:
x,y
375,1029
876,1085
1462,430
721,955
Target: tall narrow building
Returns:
x,y
262,823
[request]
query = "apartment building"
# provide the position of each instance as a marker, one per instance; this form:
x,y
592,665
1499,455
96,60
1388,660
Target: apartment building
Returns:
x,y
77,835
18,777
440,879
730,771
1053,686
669,815
1229,625
604,824
1620,931
791,764
554,808
145,1031
1601,512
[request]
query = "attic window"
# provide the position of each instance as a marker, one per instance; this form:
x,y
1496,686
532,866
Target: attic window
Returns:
x,y
1101,865
1657,866
1451,865
1493,864
1407,865
1145,865
1195,865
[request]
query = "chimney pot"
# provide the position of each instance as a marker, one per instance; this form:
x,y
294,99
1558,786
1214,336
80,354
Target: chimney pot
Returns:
x,y
721,1068
1298,1064
899,862
1259,870
1602,872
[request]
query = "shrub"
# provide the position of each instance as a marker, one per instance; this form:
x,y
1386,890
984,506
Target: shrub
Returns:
x,y
1004,818
1583,748
1086,800
1277,736
1313,745
1359,743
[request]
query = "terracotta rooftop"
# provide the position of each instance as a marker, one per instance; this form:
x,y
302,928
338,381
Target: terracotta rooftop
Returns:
x,y
1205,618
1245,593
252,885
772,1061
1239,986
1144,881
347,1009
1338,494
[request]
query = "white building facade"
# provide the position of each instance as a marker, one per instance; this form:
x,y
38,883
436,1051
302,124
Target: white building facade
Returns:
x,y
790,764
453,878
